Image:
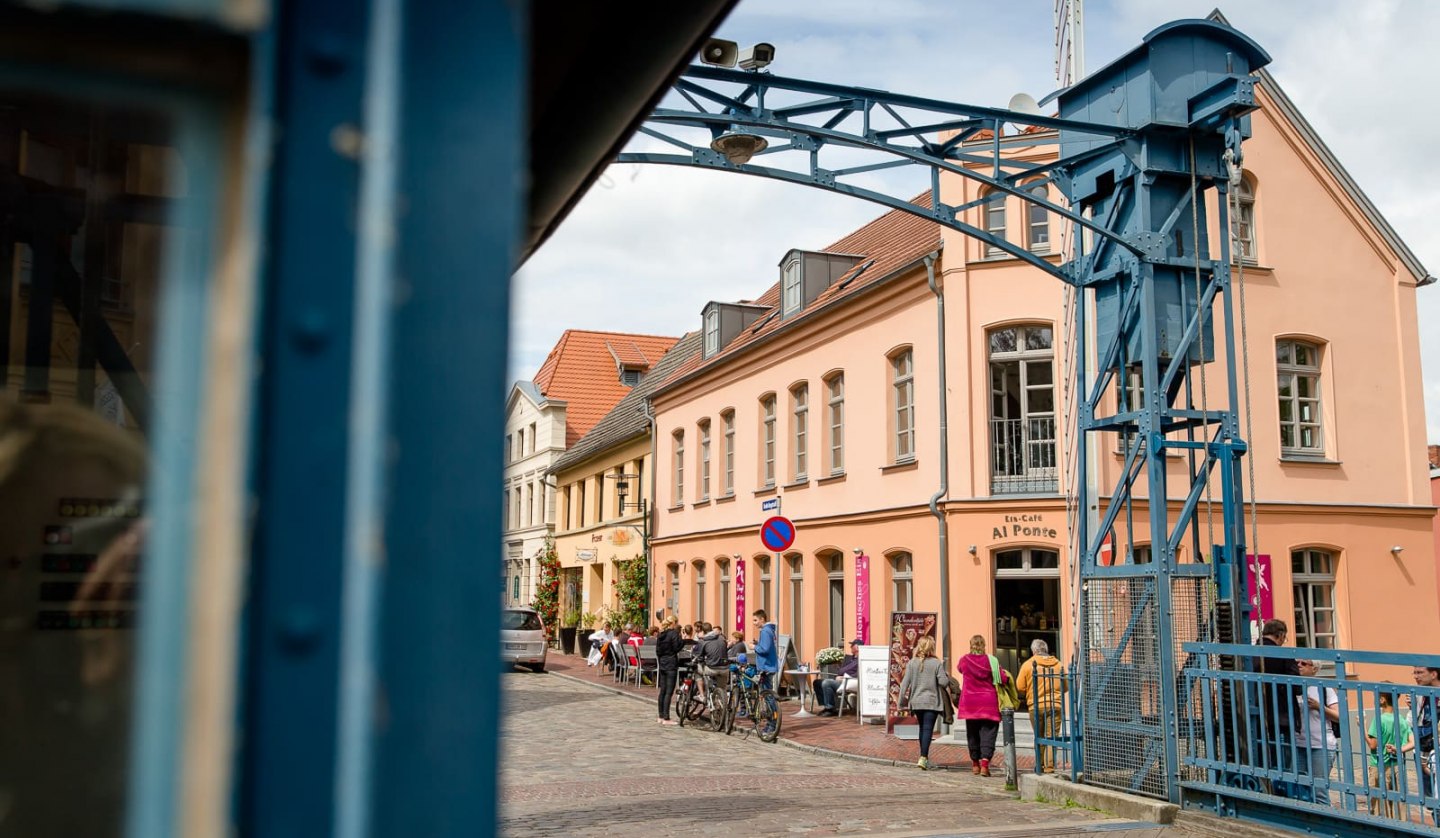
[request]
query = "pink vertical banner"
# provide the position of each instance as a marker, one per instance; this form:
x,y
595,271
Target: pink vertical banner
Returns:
x,y
739,596
1258,588
862,598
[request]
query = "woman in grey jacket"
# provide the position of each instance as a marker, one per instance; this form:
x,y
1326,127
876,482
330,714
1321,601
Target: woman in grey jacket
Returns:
x,y
920,692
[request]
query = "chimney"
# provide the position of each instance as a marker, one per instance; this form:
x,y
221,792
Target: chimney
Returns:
x,y
1434,452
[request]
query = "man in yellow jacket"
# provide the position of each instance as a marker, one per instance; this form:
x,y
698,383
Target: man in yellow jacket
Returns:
x,y
1044,695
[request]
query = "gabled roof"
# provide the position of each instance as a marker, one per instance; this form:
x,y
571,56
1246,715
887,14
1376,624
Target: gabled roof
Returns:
x,y
887,244
581,371
627,420
1291,114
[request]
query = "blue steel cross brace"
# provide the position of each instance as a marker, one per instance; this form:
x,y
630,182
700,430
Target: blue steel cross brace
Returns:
x,y
1141,143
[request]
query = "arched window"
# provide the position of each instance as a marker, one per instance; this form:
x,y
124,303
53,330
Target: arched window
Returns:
x,y
1297,369
1243,222
673,603
699,590
679,438
799,431
767,440
762,563
1037,221
723,618
902,404
704,432
995,221
1312,579
795,566
835,422
727,453
902,582
1022,410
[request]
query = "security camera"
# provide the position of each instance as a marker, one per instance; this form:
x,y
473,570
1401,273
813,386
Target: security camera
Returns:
x,y
756,57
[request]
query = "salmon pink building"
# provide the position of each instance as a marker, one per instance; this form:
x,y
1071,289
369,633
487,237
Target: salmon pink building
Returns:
x,y
902,394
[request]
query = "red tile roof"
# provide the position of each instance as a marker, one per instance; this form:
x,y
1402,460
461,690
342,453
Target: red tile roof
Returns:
x,y
581,371
888,243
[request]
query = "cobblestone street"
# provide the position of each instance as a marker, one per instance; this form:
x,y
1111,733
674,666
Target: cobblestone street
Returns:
x,y
580,761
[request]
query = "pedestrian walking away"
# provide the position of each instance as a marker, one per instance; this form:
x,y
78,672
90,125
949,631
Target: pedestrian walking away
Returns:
x,y
667,650
920,692
980,675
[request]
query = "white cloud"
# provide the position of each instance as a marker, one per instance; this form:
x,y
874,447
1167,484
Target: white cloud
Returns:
x,y
647,249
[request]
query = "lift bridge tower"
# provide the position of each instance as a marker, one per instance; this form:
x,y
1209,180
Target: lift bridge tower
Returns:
x,y
1148,148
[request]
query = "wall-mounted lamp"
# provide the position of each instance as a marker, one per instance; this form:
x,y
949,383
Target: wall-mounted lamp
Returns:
x,y
973,551
735,556
858,550
1396,551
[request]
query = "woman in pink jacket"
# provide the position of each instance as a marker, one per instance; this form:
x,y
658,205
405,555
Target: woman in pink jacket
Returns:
x,y
979,704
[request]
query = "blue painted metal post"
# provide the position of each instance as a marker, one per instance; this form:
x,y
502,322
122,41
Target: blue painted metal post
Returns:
x,y
461,181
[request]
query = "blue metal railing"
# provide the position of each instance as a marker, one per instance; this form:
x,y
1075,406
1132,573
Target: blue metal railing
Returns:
x,y
1055,719
1349,748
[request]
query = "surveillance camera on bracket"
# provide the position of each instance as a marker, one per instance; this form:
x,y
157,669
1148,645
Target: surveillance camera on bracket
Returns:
x,y
756,57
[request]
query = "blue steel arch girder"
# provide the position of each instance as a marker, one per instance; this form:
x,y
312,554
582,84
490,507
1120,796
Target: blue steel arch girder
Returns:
x,y
838,105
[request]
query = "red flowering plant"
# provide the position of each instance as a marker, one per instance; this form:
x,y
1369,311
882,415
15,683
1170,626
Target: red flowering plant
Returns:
x,y
547,587
631,589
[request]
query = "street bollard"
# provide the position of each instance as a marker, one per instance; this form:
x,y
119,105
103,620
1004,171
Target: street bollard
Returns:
x,y
1007,729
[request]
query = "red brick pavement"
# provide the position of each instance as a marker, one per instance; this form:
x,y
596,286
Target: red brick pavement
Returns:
x,y
842,736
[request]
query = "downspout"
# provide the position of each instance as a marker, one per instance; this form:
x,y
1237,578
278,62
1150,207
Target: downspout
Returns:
x,y
648,511
944,461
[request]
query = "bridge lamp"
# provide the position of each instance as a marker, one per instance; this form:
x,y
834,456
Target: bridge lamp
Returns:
x,y
739,147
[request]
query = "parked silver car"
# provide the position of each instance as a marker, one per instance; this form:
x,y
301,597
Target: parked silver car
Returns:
x,y
522,638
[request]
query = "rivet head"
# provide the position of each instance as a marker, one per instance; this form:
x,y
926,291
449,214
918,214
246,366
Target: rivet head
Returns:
x,y
299,632
310,332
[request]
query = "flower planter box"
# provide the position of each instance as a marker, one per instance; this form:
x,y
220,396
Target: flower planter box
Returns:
x,y
567,639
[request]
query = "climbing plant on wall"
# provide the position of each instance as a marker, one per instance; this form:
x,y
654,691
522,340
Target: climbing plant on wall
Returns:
x,y
547,587
630,590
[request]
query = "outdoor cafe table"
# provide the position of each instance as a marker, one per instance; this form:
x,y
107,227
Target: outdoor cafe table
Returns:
x,y
802,678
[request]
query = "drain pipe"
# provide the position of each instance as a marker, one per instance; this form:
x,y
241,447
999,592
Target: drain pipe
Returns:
x,y
944,462
649,511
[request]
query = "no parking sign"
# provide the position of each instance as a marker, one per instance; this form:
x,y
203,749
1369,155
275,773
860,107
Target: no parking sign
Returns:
x,y
777,534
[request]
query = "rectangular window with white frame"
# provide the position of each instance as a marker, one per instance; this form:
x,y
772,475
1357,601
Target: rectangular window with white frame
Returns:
x,y
835,409
1297,367
679,438
767,438
728,442
1037,220
704,429
902,582
800,418
790,283
902,387
995,221
712,332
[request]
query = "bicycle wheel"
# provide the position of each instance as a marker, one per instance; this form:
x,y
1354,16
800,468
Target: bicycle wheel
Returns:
x,y
767,716
718,716
696,708
682,702
731,710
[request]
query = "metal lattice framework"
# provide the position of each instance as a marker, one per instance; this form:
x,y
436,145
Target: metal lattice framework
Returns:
x,y
1145,147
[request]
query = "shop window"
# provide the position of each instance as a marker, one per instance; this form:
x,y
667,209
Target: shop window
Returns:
x,y
723,618
1313,584
1022,410
673,603
835,568
1297,366
762,563
902,582
796,569
699,590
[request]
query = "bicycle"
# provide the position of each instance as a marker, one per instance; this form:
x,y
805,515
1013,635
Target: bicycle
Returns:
x,y
751,697
698,695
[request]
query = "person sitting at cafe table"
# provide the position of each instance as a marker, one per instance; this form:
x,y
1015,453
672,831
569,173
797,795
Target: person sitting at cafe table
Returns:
x,y
844,681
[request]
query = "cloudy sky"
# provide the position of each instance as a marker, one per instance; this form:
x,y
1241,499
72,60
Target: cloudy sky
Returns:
x,y
649,246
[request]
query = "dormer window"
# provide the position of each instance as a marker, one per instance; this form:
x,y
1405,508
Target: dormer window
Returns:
x,y
712,332
630,377
790,283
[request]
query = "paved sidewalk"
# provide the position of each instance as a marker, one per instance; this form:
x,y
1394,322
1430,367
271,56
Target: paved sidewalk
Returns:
x,y
842,735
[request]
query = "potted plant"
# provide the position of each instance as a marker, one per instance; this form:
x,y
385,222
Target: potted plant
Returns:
x,y
588,620
829,659
569,625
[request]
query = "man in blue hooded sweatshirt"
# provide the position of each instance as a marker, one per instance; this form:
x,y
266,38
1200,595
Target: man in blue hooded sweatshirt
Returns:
x,y
767,653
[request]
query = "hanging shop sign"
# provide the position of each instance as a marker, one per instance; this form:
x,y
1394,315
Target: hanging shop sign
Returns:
x,y
619,537
862,598
1031,525
585,555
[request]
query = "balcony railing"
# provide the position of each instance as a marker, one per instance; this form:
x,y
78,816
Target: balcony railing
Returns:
x,y
1022,456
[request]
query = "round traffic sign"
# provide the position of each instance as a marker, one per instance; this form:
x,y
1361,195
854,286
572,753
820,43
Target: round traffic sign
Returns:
x,y
777,533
